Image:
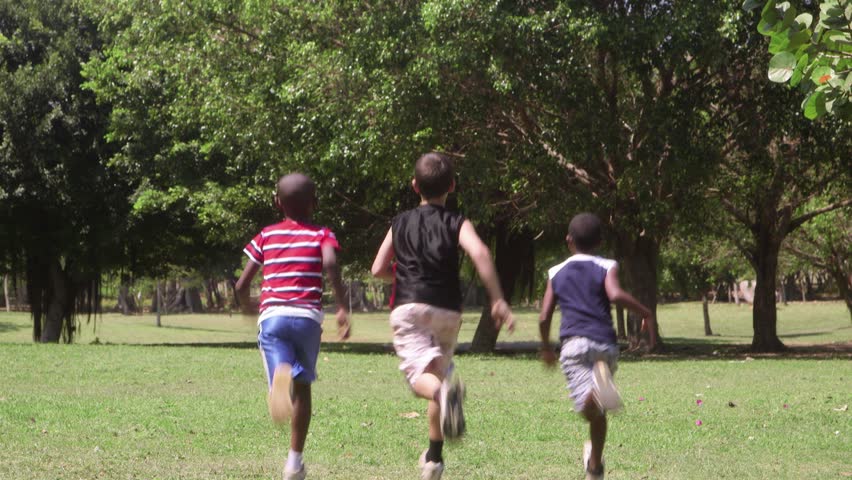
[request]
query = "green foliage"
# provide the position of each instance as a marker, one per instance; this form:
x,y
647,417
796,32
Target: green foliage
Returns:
x,y
819,53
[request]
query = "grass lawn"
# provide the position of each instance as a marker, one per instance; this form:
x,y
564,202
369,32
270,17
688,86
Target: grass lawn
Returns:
x,y
134,412
128,410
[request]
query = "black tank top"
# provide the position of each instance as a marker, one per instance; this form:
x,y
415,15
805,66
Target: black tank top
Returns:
x,y
426,245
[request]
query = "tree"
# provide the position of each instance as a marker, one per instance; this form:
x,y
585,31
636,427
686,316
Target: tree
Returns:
x,y
696,262
814,55
824,243
774,164
57,190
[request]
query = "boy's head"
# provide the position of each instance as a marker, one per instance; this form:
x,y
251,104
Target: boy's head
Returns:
x,y
433,175
584,232
296,196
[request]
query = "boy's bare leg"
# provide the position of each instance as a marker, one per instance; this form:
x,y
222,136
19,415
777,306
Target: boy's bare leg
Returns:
x,y
427,386
301,416
597,430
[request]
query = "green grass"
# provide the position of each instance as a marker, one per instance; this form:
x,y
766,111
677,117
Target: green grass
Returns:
x,y
798,323
132,412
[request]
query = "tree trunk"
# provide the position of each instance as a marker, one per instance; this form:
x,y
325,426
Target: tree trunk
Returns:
x,y
208,293
844,286
232,284
705,308
126,301
764,312
803,287
639,266
621,332
159,299
56,313
192,300
6,293
513,252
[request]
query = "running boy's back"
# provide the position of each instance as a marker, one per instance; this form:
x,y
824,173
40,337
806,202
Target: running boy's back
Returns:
x,y
427,300
426,245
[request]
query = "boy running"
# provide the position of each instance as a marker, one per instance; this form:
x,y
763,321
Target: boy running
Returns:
x,y
426,313
584,285
292,255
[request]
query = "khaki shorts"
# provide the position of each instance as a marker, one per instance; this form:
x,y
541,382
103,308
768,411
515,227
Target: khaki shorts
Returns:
x,y
423,333
578,356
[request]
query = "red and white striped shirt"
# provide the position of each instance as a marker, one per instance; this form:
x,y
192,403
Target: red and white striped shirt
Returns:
x,y
290,254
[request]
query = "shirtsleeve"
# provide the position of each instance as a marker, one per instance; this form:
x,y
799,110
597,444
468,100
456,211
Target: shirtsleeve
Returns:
x,y
328,238
254,249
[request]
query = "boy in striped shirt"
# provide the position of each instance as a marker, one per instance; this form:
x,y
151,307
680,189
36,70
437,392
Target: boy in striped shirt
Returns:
x,y
292,255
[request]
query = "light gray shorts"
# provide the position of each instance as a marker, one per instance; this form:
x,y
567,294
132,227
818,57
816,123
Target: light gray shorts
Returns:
x,y
423,333
577,357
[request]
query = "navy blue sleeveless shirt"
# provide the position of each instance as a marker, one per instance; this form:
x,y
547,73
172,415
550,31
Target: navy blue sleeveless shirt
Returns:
x,y
426,245
578,286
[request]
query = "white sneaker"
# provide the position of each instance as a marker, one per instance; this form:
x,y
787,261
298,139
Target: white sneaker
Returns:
x,y
430,470
291,475
452,412
605,391
279,401
587,454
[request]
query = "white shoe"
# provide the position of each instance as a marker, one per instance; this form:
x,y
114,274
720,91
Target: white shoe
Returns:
x,y
452,412
430,470
605,391
279,401
291,475
587,454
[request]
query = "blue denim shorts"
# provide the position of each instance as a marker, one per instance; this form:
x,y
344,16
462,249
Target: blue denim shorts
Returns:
x,y
293,340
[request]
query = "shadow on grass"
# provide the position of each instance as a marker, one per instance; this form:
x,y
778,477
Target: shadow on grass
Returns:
x,y
11,327
196,329
676,349
813,334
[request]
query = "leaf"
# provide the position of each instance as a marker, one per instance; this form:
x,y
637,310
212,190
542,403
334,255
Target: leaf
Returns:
x,y
798,39
789,16
818,76
749,5
814,105
779,43
805,20
781,67
770,5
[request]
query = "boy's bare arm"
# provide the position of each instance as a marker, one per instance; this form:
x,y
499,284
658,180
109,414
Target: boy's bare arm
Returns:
x,y
481,258
243,288
548,304
620,297
332,271
382,264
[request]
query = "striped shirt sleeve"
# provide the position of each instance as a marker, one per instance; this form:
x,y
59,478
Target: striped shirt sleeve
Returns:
x,y
328,238
254,249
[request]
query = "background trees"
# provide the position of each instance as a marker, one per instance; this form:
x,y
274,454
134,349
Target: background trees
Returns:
x,y
655,115
62,208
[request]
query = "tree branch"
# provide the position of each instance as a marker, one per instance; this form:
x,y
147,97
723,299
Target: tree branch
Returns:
x,y
798,222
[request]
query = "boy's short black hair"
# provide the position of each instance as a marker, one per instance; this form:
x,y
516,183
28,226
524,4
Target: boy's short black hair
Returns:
x,y
585,231
434,174
297,194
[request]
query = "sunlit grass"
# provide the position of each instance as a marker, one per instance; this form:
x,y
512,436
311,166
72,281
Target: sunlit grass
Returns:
x,y
96,411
